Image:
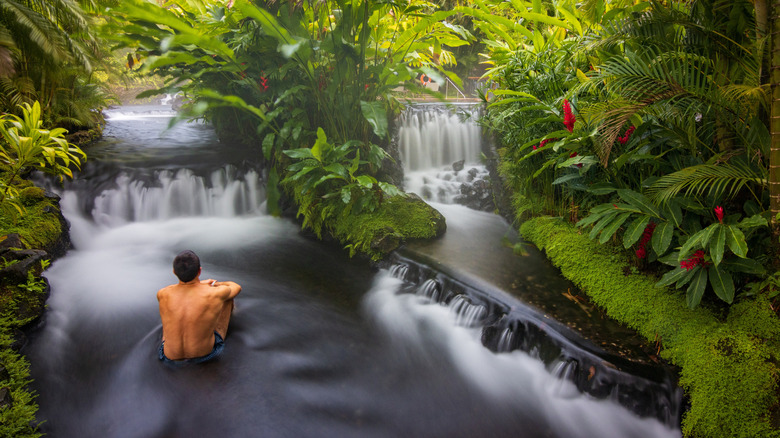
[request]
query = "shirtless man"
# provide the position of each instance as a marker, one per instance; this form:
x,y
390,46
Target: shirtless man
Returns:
x,y
195,313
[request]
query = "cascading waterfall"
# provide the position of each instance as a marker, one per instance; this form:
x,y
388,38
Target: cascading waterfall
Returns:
x,y
440,148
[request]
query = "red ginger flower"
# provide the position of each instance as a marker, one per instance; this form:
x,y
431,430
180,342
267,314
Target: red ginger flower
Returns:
x,y
568,116
719,213
696,260
624,138
646,236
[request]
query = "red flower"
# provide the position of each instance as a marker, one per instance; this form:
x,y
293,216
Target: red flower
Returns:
x,y
696,260
647,234
535,147
568,116
719,213
624,138
263,83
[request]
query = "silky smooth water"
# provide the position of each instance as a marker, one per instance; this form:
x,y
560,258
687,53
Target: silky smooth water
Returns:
x,y
319,345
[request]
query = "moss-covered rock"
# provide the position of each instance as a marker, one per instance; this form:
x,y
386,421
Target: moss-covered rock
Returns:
x,y
729,370
397,220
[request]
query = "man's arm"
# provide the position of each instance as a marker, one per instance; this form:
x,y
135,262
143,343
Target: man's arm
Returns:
x,y
227,289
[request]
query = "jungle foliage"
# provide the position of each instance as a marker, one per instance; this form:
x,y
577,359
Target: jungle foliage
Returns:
x,y
644,123
309,85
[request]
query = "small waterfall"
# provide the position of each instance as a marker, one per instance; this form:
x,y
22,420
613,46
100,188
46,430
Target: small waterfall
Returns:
x,y
179,194
509,326
440,148
434,136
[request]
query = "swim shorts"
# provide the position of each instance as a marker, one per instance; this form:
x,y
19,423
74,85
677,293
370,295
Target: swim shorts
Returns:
x,y
219,345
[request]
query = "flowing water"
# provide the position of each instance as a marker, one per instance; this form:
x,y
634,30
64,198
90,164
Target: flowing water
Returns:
x,y
319,345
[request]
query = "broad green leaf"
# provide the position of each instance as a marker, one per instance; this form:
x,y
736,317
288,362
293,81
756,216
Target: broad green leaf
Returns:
x,y
670,259
613,227
365,181
722,284
696,288
662,237
673,212
671,277
639,201
300,153
736,241
320,145
746,265
376,115
717,244
752,222
268,145
592,218
635,230
691,243
601,224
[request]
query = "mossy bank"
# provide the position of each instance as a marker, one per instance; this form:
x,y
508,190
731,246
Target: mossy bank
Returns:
x,y
729,363
27,242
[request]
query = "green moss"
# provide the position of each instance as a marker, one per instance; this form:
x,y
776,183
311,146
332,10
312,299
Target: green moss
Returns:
x,y
39,226
729,369
383,230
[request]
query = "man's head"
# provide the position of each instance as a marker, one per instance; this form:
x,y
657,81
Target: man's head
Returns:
x,y
186,266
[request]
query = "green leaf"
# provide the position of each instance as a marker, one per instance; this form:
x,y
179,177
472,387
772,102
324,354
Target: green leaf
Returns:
x,y
320,145
605,220
674,212
635,230
671,277
366,181
746,265
662,237
722,284
639,201
754,221
300,153
613,227
273,194
601,188
376,115
717,244
670,259
736,241
691,243
696,288
268,145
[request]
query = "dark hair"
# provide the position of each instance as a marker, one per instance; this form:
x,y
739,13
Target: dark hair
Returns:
x,y
186,265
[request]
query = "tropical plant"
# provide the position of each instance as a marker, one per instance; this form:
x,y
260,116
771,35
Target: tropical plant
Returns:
x,y
325,172
26,145
276,74
46,46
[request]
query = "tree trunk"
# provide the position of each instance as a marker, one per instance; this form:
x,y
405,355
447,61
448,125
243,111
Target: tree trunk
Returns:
x,y
774,124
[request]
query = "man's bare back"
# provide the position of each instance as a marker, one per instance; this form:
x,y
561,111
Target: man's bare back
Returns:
x,y
192,311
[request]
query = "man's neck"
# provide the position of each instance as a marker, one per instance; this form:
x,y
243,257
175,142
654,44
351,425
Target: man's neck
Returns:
x,y
192,282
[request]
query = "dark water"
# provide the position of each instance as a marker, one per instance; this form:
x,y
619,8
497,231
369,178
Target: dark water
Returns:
x,y
319,345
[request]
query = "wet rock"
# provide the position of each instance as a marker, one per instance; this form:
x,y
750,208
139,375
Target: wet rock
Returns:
x,y
11,241
5,398
26,260
387,241
458,165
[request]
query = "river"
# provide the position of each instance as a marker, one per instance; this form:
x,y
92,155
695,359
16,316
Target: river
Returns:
x,y
320,345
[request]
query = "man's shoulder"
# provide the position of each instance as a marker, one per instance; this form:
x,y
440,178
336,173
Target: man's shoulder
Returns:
x,y
166,290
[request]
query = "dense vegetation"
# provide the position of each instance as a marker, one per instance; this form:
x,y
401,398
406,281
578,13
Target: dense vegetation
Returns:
x,y
645,124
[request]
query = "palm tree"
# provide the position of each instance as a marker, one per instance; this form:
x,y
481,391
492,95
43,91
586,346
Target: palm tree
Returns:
x,y
43,43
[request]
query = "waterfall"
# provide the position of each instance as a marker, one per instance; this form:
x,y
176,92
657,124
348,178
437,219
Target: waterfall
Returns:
x,y
440,148
179,194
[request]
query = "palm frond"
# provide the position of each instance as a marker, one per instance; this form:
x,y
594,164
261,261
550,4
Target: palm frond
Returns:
x,y
722,180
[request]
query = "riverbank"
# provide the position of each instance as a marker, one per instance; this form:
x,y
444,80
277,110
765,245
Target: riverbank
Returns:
x,y
729,363
28,242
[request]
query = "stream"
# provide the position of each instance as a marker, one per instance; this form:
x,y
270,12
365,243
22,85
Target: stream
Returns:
x,y
320,345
